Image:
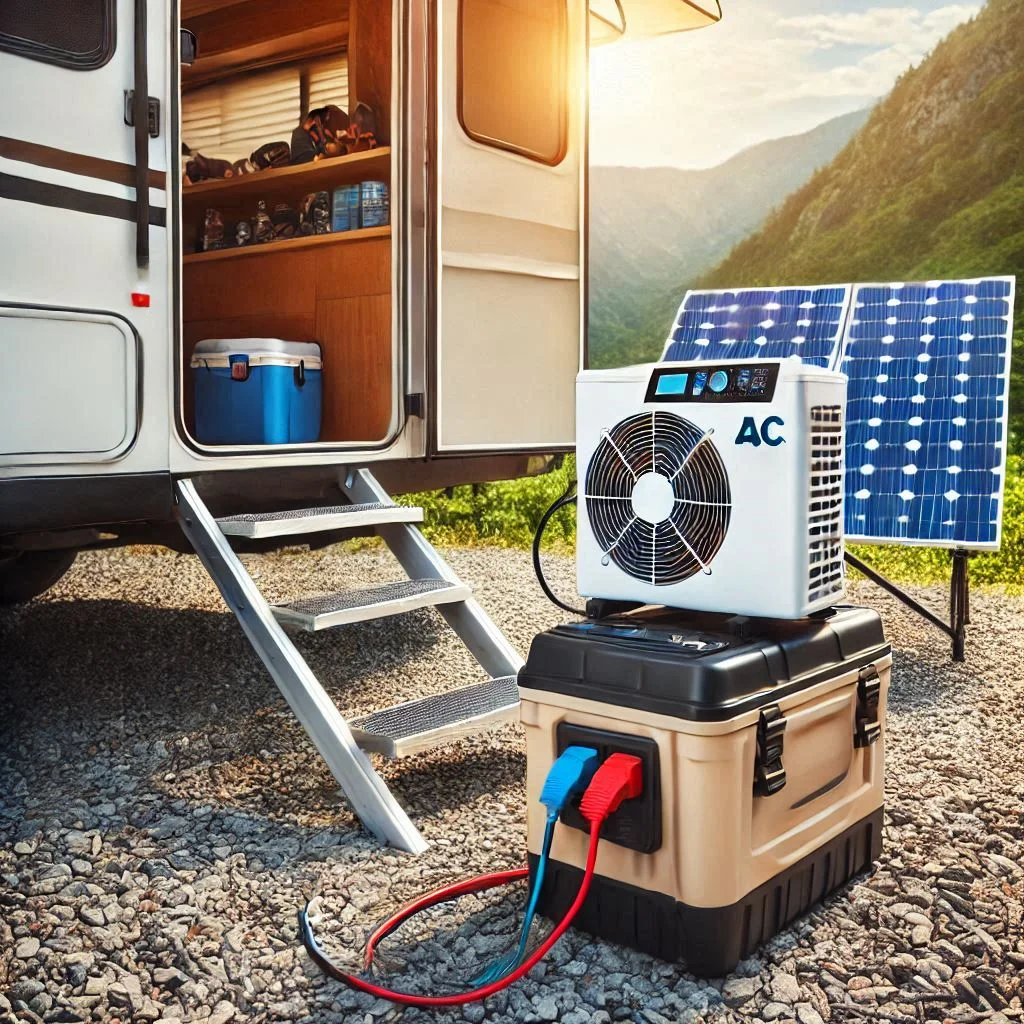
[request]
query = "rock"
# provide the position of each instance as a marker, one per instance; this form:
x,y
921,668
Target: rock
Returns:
x,y
921,935
92,916
41,1003
807,1014
26,949
96,986
546,1008
738,991
475,1013
78,842
222,1013
25,990
76,975
785,988
859,981
24,849
773,1010
576,1016
168,977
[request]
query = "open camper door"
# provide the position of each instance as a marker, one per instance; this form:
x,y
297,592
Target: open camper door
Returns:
x,y
83,267
511,119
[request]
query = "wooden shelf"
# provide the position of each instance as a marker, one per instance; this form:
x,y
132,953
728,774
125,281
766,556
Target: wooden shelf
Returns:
x,y
288,245
319,175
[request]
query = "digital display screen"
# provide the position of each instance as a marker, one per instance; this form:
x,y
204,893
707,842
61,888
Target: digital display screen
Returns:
x,y
713,383
672,384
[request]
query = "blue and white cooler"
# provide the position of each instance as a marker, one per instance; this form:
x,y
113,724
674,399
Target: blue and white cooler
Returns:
x,y
257,391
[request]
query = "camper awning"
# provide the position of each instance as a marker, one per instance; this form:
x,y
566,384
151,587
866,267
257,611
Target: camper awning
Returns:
x,y
639,19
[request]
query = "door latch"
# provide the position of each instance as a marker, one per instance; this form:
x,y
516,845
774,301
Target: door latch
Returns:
x,y
769,773
867,728
154,112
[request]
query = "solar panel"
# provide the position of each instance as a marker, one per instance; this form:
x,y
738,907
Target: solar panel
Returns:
x,y
763,323
926,411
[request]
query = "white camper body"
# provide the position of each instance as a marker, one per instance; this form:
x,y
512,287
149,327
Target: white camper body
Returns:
x,y
451,336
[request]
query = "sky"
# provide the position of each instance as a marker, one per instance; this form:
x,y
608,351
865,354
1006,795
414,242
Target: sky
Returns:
x,y
769,68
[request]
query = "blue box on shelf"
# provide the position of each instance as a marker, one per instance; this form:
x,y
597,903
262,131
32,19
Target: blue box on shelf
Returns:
x,y
257,391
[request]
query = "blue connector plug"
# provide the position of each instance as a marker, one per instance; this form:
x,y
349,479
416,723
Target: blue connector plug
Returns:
x,y
569,776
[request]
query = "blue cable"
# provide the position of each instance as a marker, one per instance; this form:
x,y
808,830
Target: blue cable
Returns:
x,y
568,777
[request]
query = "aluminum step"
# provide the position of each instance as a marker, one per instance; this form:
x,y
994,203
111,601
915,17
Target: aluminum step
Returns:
x,y
420,724
316,520
328,610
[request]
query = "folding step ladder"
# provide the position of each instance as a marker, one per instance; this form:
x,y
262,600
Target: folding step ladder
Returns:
x,y
397,731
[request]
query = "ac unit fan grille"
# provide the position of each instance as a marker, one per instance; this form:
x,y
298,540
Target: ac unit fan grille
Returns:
x,y
677,534
825,521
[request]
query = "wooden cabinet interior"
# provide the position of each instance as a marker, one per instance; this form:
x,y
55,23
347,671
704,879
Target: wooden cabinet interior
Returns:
x,y
333,289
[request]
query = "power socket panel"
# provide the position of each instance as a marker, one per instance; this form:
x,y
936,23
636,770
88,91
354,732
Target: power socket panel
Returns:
x,y
636,825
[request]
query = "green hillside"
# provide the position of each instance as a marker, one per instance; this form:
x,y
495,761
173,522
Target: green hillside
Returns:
x,y
931,187
652,227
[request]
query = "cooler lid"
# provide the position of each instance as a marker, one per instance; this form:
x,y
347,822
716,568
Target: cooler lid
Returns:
x,y
700,667
260,351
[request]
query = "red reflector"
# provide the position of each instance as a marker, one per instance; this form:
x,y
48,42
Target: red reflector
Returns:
x,y
140,299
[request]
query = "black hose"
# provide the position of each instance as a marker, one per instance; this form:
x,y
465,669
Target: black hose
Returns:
x,y
568,498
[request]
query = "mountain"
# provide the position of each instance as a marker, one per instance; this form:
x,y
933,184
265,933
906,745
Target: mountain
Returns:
x,y
654,227
931,187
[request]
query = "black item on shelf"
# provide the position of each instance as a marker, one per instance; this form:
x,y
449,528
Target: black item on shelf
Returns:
x,y
271,154
285,221
263,228
315,214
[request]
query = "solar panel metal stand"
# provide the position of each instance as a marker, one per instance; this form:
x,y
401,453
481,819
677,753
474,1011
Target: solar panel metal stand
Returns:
x,y
959,598
405,729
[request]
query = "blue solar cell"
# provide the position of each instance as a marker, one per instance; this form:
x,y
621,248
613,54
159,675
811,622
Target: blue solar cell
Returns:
x,y
928,366
771,323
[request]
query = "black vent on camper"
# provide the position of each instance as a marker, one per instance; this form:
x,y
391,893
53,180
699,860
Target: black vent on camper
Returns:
x,y
825,519
77,34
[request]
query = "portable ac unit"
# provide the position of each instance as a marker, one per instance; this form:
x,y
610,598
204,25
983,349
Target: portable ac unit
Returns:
x,y
712,486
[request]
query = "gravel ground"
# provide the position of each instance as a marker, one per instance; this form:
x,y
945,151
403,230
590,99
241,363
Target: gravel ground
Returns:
x,y
162,817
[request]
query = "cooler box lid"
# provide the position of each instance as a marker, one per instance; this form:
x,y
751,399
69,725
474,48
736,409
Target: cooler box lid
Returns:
x,y
216,352
700,667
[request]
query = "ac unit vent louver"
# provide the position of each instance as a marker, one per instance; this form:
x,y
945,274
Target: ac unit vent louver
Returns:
x,y
825,521
658,498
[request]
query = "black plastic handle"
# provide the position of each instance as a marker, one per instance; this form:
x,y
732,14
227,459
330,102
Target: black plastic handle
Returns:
x,y
140,115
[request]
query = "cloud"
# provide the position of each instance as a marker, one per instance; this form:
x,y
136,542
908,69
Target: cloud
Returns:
x,y
901,37
769,69
879,26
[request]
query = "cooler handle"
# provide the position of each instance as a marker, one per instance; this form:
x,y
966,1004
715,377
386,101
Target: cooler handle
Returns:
x,y
300,374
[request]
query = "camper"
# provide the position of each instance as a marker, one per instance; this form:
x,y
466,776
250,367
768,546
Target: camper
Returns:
x,y
265,266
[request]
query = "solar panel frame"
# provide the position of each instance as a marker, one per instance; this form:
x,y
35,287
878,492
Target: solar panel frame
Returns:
x,y
699,337
999,361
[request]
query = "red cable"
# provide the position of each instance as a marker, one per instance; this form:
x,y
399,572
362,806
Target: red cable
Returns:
x,y
619,778
435,896
409,999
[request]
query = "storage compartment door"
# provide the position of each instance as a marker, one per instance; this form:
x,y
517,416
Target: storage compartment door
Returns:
x,y
69,387
511,114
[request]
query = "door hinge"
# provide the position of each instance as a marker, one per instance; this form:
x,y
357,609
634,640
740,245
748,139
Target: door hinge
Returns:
x,y
414,405
154,112
867,728
769,773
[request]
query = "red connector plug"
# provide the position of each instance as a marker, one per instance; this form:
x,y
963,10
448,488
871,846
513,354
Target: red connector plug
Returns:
x,y
619,778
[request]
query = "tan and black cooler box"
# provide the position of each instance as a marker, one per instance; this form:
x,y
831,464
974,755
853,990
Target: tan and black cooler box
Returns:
x,y
762,744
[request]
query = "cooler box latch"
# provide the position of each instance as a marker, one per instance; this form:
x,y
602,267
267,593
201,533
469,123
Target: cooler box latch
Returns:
x,y
239,367
769,773
869,688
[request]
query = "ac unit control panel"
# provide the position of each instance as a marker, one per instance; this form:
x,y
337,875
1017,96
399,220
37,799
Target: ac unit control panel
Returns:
x,y
712,383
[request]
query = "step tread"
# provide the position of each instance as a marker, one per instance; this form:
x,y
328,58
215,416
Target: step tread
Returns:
x,y
304,513
427,720
324,604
